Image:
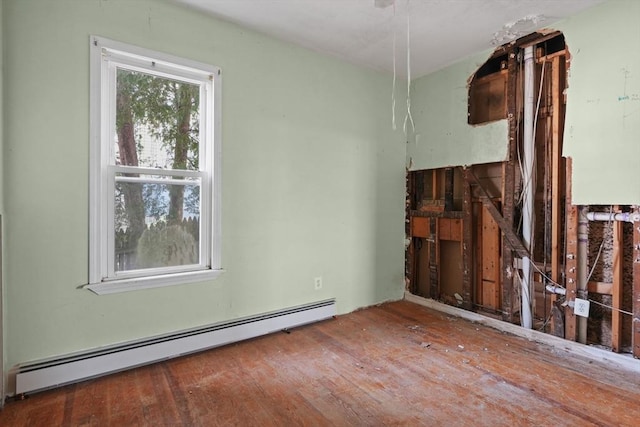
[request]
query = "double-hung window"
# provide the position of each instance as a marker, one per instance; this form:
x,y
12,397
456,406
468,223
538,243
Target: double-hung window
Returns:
x,y
155,169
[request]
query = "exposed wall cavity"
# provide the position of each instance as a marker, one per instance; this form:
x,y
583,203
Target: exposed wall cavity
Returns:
x,y
602,261
443,136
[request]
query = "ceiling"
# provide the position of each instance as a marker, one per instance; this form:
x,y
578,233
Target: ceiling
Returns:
x,y
363,31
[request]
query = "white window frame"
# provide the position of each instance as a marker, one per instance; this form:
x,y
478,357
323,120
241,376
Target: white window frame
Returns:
x,y
106,55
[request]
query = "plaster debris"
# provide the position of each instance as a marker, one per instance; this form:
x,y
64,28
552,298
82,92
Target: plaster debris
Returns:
x,y
513,30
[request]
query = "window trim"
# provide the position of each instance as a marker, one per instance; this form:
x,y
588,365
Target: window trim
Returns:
x,y
101,85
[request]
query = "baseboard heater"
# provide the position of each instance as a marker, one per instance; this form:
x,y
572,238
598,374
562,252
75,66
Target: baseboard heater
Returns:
x,y
43,375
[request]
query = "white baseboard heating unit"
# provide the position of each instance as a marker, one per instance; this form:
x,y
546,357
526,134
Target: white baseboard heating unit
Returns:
x,y
78,367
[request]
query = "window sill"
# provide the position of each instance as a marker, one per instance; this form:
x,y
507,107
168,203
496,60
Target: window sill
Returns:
x,y
135,284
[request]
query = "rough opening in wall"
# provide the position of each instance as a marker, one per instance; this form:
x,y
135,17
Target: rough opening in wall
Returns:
x,y
504,238
487,94
487,100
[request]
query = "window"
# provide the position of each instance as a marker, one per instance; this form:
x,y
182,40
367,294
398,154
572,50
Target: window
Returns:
x,y
155,169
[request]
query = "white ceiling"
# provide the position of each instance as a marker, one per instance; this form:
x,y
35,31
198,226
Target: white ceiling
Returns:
x,y
441,31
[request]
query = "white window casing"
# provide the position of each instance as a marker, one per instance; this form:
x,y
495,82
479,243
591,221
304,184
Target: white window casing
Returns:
x,y
106,57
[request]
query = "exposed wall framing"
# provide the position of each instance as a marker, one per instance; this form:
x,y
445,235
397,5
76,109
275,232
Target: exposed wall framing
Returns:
x,y
465,245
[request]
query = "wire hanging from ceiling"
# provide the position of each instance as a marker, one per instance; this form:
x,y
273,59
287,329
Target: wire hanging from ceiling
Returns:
x,y
408,118
393,86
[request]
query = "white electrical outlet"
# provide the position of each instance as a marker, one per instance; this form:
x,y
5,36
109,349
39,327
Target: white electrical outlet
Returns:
x,y
317,283
581,307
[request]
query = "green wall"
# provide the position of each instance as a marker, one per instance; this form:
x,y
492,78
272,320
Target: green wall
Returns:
x,y
313,178
442,136
602,132
2,169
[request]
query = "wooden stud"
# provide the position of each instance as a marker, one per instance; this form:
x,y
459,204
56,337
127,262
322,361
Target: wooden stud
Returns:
x,y
616,288
571,262
467,242
600,288
410,277
478,214
508,185
556,154
448,189
490,264
557,169
636,287
435,184
434,256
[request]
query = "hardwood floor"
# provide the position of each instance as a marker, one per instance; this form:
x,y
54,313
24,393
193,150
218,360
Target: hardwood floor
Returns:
x,y
395,364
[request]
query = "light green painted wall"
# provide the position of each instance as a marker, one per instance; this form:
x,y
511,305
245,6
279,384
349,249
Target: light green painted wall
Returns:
x,y
313,178
1,113
2,169
442,136
602,132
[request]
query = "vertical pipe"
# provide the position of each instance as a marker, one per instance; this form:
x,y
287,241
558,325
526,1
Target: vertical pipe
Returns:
x,y
616,291
582,255
528,149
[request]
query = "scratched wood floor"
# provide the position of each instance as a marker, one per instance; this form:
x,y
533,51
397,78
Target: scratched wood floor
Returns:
x,y
395,364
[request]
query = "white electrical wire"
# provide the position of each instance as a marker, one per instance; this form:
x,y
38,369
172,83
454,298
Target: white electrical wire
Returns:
x,y
611,308
408,118
393,88
535,126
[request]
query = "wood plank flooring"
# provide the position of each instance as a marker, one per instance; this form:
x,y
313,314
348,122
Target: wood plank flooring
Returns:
x,y
394,364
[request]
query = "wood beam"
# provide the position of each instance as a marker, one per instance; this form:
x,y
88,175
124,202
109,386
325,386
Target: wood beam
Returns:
x,y
479,254
489,256
435,184
508,185
557,171
600,288
467,241
411,277
434,256
571,263
448,189
437,214
507,229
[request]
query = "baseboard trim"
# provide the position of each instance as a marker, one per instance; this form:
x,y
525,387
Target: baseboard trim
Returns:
x,y
67,369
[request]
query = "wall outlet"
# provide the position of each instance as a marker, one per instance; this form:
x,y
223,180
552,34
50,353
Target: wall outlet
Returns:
x,y
581,307
317,283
